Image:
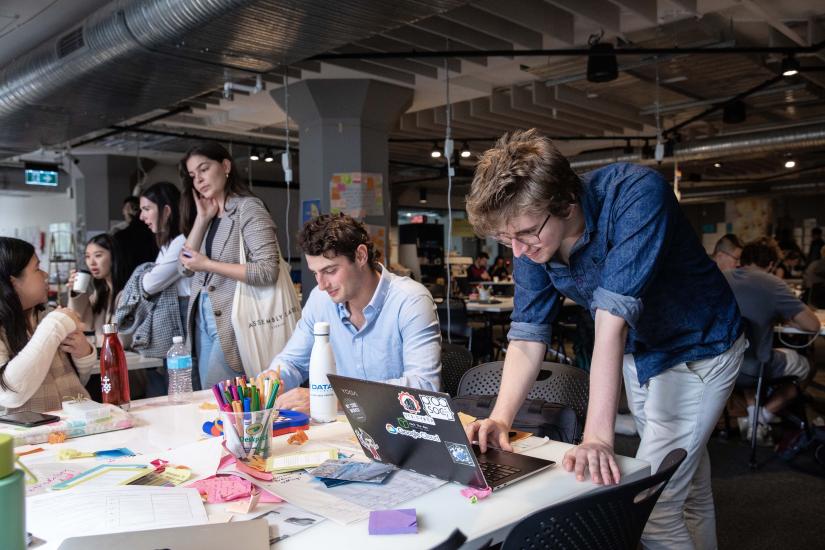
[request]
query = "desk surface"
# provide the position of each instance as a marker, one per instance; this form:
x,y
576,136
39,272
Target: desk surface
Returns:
x,y
160,427
504,305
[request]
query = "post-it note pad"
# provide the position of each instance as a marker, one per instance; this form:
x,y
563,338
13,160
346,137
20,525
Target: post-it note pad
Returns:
x,y
393,522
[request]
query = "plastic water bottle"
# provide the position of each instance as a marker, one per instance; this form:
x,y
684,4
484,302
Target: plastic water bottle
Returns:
x,y
323,407
179,367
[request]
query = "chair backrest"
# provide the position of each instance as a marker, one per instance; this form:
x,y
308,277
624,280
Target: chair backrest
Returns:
x,y
455,361
816,295
556,383
611,519
458,316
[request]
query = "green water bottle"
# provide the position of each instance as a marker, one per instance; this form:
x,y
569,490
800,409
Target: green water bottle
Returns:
x,y
12,498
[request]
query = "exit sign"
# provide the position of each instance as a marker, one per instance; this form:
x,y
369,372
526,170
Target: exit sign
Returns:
x,y
41,175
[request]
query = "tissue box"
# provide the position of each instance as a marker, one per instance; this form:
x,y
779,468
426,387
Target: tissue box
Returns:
x,y
86,410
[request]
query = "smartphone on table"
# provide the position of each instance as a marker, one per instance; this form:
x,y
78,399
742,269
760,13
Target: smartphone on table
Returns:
x,y
28,419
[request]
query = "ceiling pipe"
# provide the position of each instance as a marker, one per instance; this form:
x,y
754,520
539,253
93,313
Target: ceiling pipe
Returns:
x,y
801,137
110,34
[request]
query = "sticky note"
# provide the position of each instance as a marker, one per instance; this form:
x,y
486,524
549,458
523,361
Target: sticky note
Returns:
x,y
393,522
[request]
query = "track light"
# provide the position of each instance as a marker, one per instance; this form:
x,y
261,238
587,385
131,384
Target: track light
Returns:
x,y
790,66
422,196
601,63
436,152
790,163
254,154
465,151
717,164
734,112
269,156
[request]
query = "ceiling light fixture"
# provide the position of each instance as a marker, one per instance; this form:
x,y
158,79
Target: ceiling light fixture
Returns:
x,y
717,164
790,66
254,154
422,196
269,156
734,112
601,63
436,152
790,163
465,151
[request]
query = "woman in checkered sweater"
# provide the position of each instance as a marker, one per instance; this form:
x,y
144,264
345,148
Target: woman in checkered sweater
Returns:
x,y
43,356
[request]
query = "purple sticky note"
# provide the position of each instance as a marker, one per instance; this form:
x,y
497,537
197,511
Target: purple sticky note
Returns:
x,y
393,522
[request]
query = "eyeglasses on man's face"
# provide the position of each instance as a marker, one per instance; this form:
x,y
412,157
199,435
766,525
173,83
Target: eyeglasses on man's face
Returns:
x,y
529,238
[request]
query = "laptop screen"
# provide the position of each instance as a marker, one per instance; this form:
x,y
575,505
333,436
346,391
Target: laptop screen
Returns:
x,y
413,429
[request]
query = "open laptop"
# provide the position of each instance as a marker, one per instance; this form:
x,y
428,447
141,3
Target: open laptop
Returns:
x,y
420,431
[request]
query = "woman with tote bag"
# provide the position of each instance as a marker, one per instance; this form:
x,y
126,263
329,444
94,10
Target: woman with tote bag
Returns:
x,y
221,216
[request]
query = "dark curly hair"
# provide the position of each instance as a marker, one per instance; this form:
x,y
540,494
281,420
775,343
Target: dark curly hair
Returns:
x,y
331,235
761,252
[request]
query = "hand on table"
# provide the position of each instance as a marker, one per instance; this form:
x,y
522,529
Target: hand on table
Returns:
x,y
296,399
489,431
598,457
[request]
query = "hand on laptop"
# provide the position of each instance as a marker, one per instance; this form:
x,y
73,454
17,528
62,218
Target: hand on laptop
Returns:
x,y
296,399
489,431
596,455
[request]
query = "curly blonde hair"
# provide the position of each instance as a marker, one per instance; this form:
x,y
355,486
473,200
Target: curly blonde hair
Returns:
x,y
523,173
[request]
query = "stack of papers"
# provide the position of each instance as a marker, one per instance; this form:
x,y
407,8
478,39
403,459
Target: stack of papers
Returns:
x,y
338,472
299,461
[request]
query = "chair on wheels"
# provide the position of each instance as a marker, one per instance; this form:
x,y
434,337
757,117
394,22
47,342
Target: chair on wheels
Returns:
x,y
455,361
612,519
556,383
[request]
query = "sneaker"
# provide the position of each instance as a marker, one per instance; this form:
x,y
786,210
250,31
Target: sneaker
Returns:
x,y
744,431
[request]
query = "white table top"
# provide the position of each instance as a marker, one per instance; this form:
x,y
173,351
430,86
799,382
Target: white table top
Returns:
x,y
134,361
505,305
494,283
785,329
160,426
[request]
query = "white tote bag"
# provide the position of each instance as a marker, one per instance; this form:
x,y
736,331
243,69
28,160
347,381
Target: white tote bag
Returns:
x,y
264,318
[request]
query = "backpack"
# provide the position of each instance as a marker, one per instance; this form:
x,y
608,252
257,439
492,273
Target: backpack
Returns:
x,y
537,416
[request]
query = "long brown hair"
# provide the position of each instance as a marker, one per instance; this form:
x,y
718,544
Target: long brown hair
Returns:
x,y
164,194
234,184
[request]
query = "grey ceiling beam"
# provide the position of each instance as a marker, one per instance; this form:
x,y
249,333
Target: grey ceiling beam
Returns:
x,y
480,108
618,111
495,26
502,103
382,43
463,123
462,112
534,14
398,64
432,42
408,123
373,69
646,9
451,30
542,97
598,11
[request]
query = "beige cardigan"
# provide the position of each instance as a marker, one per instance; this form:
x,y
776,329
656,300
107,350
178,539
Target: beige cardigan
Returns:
x,y
40,376
247,216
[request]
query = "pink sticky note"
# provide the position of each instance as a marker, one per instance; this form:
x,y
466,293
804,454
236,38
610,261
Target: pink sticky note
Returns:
x,y
223,488
393,522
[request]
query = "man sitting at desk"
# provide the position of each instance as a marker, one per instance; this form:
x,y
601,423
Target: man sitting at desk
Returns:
x,y
763,298
382,327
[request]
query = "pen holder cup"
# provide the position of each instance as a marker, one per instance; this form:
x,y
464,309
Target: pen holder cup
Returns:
x,y
248,436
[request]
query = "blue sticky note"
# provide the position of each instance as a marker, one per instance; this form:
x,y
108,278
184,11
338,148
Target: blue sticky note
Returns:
x,y
393,522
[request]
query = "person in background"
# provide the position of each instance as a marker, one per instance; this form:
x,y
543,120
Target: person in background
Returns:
x,y
43,355
790,262
817,244
815,272
135,241
616,242
478,271
95,308
160,211
130,210
727,252
762,298
382,327
217,211
500,269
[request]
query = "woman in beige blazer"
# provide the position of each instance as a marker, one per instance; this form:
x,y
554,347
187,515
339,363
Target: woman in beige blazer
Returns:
x,y
217,208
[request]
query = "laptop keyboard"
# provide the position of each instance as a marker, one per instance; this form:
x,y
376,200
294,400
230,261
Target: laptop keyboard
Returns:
x,y
496,472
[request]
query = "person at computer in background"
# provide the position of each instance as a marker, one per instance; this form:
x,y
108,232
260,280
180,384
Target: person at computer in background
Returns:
x,y
727,252
382,327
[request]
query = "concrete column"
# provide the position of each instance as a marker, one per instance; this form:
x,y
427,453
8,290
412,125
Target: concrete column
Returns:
x,y
344,125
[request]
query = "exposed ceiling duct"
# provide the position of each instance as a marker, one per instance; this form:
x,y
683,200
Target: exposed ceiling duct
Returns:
x,y
788,139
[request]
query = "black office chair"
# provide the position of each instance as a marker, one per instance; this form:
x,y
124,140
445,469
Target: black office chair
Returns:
x,y
612,519
556,383
460,330
455,361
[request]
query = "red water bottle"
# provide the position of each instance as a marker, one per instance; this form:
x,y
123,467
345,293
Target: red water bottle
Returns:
x,y
114,374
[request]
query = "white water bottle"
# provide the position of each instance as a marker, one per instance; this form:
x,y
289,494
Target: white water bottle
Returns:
x,y
179,367
323,407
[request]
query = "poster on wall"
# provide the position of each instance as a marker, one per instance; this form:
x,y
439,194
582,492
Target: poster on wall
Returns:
x,y
310,209
750,217
358,194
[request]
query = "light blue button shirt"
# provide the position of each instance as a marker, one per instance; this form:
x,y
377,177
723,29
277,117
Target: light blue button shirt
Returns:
x,y
400,342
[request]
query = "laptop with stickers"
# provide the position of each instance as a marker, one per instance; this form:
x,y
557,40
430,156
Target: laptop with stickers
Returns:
x,y
420,431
